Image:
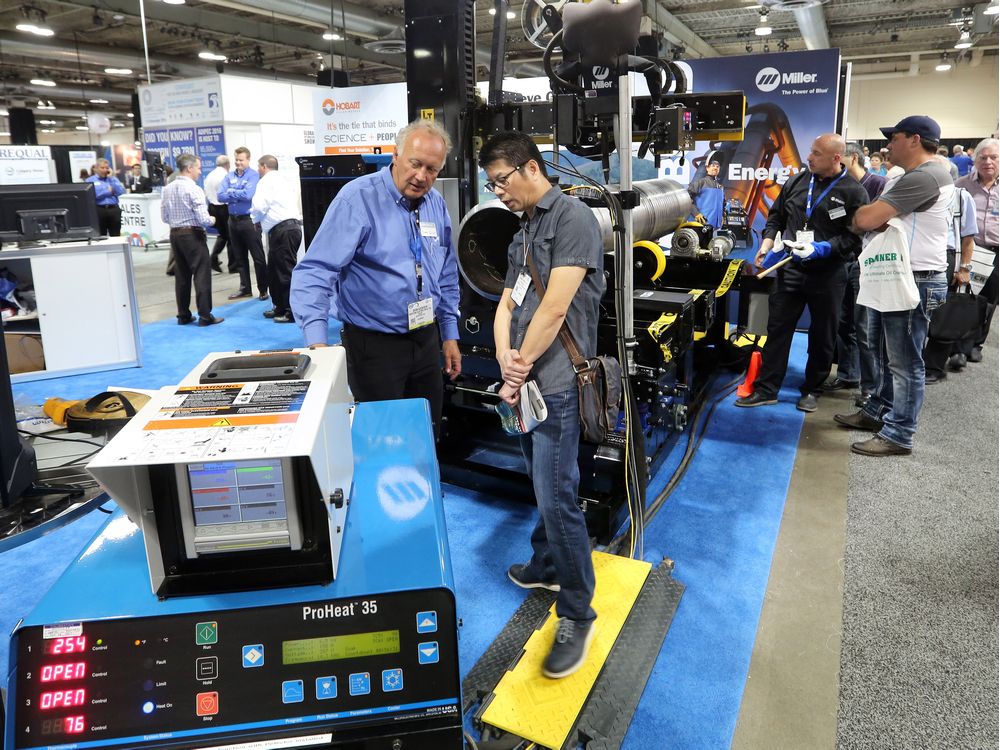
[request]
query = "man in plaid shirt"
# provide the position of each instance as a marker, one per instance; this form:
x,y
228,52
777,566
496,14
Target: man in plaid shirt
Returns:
x,y
184,209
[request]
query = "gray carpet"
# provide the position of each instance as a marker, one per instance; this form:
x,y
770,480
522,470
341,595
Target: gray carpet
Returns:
x,y
919,648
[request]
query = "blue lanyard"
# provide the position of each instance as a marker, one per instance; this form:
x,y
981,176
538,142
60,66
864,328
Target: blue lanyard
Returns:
x,y
809,197
417,248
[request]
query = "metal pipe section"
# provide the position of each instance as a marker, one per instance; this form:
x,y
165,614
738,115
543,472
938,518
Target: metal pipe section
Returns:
x,y
623,142
487,230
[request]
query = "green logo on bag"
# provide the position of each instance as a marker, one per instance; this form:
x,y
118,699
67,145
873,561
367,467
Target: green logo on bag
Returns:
x,y
881,257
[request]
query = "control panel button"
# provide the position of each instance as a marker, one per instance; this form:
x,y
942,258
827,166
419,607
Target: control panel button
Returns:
x,y
253,656
360,683
206,633
207,704
206,667
427,622
292,691
326,688
427,653
392,680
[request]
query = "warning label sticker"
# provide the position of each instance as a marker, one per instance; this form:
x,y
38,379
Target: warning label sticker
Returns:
x,y
231,404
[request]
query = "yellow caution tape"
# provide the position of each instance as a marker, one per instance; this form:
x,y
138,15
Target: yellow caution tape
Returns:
x,y
729,278
656,329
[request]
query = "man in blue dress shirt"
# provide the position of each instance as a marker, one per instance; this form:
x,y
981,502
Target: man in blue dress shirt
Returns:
x,y
107,188
237,191
384,255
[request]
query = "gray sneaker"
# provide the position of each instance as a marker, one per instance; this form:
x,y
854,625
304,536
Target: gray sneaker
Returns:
x,y
569,650
526,578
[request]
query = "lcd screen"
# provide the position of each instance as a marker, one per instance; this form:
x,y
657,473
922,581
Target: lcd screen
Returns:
x,y
331,648
237,491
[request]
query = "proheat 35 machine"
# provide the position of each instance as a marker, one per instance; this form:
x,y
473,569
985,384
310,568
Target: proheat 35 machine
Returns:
x,y
278,576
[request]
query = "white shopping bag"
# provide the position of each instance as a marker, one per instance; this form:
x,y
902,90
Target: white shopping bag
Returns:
x,y
887,283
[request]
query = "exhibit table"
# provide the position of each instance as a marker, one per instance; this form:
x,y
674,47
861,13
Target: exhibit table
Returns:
x,y
141,222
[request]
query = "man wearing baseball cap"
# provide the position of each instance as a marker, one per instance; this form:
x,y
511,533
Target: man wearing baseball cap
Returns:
x,y
921,198
707,192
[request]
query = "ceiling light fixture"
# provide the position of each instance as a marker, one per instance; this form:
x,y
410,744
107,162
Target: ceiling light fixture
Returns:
x,y
173,2
493,11
4,113
511,15
32,28
964,40
4,134
82,127
98,101
206,55
42,82
46,122
763,27
47,130
130,115
332,36
118,71
943,65
993,10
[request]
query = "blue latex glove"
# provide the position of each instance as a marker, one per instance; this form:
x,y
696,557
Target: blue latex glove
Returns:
x,y
772,257
807,251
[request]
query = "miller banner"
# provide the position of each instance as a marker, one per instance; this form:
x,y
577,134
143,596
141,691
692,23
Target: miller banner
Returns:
x,y
791,99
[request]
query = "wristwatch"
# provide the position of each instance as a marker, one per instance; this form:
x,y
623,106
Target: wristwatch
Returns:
x,y
966,267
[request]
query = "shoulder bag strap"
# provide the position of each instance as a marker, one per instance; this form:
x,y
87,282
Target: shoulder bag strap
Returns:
x,y
568,342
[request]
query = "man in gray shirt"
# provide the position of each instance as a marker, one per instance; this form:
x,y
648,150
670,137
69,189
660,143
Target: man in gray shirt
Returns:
x,y
921,198
561,238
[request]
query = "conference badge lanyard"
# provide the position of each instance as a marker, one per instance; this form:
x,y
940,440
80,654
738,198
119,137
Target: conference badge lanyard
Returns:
x,y
806,234
421,312
524,278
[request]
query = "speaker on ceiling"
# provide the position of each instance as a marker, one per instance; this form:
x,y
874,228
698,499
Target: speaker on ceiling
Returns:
x,y
22,126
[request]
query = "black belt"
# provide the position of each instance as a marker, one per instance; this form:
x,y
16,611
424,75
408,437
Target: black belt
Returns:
x,y
239,216
407,334
926,274
296,222
186,230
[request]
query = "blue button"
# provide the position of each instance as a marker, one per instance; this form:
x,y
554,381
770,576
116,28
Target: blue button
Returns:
x,y
427,622
427,653
392,680
292,691
148,707
326,688
360,683
253,656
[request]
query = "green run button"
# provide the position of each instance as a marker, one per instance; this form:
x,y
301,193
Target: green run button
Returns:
x,y
206,633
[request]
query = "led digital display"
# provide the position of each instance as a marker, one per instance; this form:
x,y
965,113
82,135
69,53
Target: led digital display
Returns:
x,y
76,670
224,492
331,648
73,644
63,725
63,698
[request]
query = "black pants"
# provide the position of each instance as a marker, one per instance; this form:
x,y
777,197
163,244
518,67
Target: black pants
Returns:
x,y
221,214
990,292
244,238
190,250
110,220
283,243
936,352
389,366
823,293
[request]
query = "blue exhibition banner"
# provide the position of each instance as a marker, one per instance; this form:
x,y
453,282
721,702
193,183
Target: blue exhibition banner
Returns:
x,y
211,144
791,99
181,142
157,141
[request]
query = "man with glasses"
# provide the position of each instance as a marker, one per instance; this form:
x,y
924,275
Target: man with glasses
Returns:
x,y
384,256
559,239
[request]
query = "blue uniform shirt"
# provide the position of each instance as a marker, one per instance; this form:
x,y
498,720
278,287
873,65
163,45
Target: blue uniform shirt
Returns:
x,y
237,190
360,260
106,190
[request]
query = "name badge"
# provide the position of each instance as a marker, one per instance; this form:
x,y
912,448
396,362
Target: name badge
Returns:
x,y
836,213
428,229
520,289
804,235
420,313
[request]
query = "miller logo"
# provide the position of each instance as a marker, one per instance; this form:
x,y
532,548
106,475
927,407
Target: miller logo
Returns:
x,y
768,79
329,107
601,72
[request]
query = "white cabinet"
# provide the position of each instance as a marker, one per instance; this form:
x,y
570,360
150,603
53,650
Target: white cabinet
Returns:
x,y
87,312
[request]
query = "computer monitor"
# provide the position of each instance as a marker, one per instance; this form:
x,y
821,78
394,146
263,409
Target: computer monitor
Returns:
x,y
29,213
17,459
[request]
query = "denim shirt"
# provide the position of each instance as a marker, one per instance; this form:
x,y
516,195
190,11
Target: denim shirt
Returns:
x,y
563,232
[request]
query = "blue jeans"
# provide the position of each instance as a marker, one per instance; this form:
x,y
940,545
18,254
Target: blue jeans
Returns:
x,y
897,340
854,355
560,541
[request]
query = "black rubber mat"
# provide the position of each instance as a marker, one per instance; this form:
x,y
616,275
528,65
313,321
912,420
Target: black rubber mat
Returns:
x,y
486,673
608,712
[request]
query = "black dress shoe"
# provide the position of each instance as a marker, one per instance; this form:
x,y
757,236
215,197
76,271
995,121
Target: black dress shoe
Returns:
x,y
807,403
233,270
931,378
976,355
756,399
957,361
285,318
879,446
262,296
210,321
183,321
270,313
240,294
859,420
217,267
838,384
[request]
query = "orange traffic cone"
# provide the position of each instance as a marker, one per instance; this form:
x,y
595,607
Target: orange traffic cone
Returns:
x,y
746,387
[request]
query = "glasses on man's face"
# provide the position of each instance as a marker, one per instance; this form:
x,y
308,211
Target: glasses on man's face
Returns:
x,y
502,181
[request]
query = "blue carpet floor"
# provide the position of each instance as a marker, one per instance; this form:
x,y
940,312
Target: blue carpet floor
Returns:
x,y
719,526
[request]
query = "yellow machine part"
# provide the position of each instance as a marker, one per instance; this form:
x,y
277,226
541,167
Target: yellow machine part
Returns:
x,y
657,252
530,705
